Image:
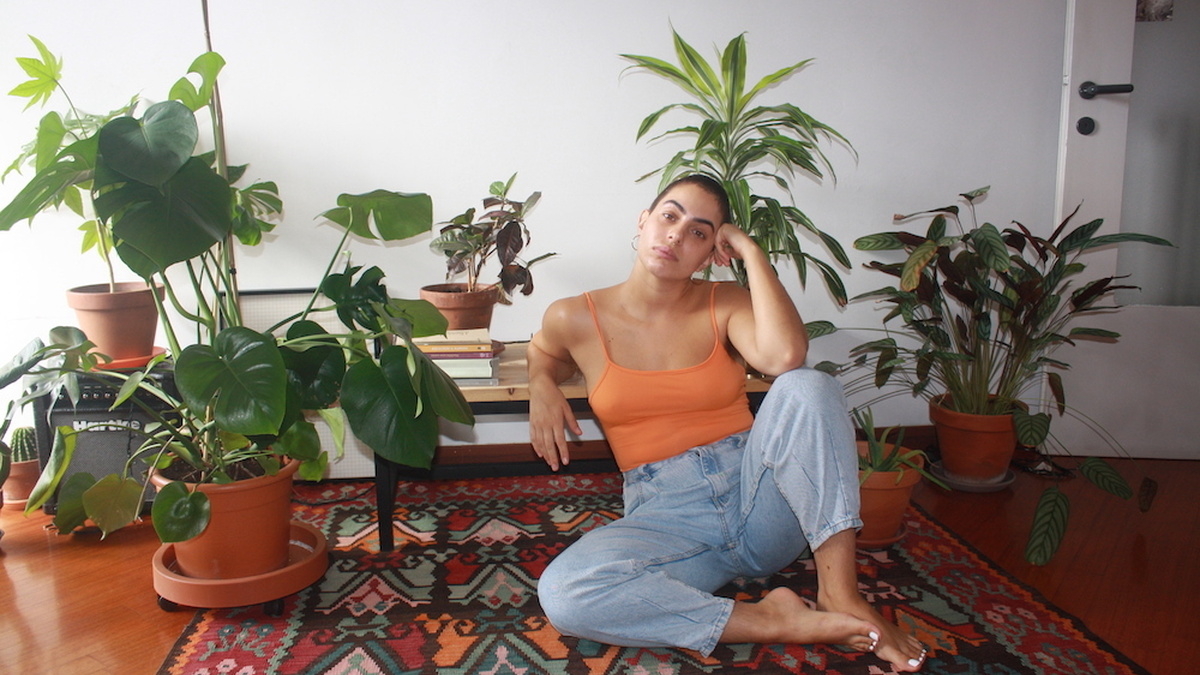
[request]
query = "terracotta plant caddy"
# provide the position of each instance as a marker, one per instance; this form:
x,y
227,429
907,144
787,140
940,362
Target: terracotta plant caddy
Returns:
x,y
462,308
884,503
251,552
122,322
976,449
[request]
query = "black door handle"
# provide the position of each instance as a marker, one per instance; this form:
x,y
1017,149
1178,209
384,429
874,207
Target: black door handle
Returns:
x,y
1090,89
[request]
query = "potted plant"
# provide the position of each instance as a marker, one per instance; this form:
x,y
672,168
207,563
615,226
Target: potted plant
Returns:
x,y
235,407
23,467
980,313
735,140
468,243
886,478
118,316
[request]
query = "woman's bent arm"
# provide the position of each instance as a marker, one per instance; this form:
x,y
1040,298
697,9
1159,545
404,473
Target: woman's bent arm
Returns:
x,y
550,414
767,330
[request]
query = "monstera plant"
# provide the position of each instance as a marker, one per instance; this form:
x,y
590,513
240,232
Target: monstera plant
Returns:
x,y
235,407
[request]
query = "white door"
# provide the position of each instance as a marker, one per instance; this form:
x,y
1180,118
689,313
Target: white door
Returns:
x,y
1145,388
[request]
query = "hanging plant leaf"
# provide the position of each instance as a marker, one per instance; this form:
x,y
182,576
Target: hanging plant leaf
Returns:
x,y
71,513
1049,526
1103,476
1032,430
1054,380
113,502
63,449
179,514
1146,494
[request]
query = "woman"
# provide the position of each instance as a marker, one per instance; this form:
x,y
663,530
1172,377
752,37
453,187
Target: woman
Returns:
x,y
712,492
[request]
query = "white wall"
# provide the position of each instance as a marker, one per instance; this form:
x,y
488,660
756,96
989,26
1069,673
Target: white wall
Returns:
x,y
938,98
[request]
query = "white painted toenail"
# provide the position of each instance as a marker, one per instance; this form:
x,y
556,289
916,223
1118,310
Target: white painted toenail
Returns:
x,y
914,662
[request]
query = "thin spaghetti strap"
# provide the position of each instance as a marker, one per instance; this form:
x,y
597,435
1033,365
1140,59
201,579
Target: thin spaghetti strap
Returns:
x,y
599,332
712,310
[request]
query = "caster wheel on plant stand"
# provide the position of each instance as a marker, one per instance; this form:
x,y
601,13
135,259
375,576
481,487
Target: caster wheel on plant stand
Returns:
x,y
168,605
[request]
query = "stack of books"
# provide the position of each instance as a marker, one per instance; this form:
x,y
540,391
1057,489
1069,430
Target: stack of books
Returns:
x,y
469,355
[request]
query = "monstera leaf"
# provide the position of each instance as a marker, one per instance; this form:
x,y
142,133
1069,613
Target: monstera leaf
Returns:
x,y
241,377
164,205
385,411
151,149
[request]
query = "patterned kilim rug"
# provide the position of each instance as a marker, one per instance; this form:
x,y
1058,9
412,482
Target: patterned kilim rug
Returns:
x,y
458,596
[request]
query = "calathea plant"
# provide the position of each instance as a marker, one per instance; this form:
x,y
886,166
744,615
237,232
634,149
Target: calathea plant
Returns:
x,y
745,144
976,320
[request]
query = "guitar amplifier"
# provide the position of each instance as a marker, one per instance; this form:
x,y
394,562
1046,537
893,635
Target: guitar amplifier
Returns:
x,y
106,436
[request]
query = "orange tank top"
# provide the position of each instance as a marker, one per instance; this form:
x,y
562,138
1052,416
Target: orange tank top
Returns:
x,y
650,415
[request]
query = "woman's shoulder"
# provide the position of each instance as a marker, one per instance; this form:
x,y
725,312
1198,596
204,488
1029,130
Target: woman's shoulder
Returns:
x,y
571,317
729,292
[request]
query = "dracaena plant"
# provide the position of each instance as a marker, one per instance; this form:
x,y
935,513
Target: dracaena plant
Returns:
x,y
468,243
748,146
238,393
979,313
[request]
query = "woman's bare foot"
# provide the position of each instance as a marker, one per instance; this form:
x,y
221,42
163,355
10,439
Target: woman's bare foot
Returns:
x,y
783,617
903,651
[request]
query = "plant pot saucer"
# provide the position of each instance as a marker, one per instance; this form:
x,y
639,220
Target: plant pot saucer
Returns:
x,y
308,558
883,542
969,485
131,362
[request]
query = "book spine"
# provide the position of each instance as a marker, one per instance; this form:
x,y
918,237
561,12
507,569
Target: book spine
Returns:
x,y
450,348
455,356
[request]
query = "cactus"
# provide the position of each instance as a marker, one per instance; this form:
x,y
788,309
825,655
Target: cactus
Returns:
x,y
24,444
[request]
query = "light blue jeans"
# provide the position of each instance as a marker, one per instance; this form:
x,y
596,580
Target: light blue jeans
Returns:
x,y
746,506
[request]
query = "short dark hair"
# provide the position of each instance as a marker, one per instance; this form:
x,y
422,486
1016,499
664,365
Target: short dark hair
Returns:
x,y
705,182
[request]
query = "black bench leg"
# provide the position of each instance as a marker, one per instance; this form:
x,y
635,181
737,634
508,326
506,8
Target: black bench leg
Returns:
x,y
387,474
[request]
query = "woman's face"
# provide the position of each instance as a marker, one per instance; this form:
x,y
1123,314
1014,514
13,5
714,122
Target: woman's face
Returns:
x,y
678,234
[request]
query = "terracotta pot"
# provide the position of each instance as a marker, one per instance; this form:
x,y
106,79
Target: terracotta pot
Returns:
x,y
247,534
123,323
885,497
22,477
974,448
463,309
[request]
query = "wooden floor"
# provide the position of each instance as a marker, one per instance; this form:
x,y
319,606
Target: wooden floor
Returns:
x,y
74,605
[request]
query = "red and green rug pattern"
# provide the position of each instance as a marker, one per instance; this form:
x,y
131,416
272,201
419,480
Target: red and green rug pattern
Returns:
x,y
458,596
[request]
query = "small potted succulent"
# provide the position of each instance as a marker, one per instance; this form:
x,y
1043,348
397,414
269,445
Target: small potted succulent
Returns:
x,y
886,478
468,243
